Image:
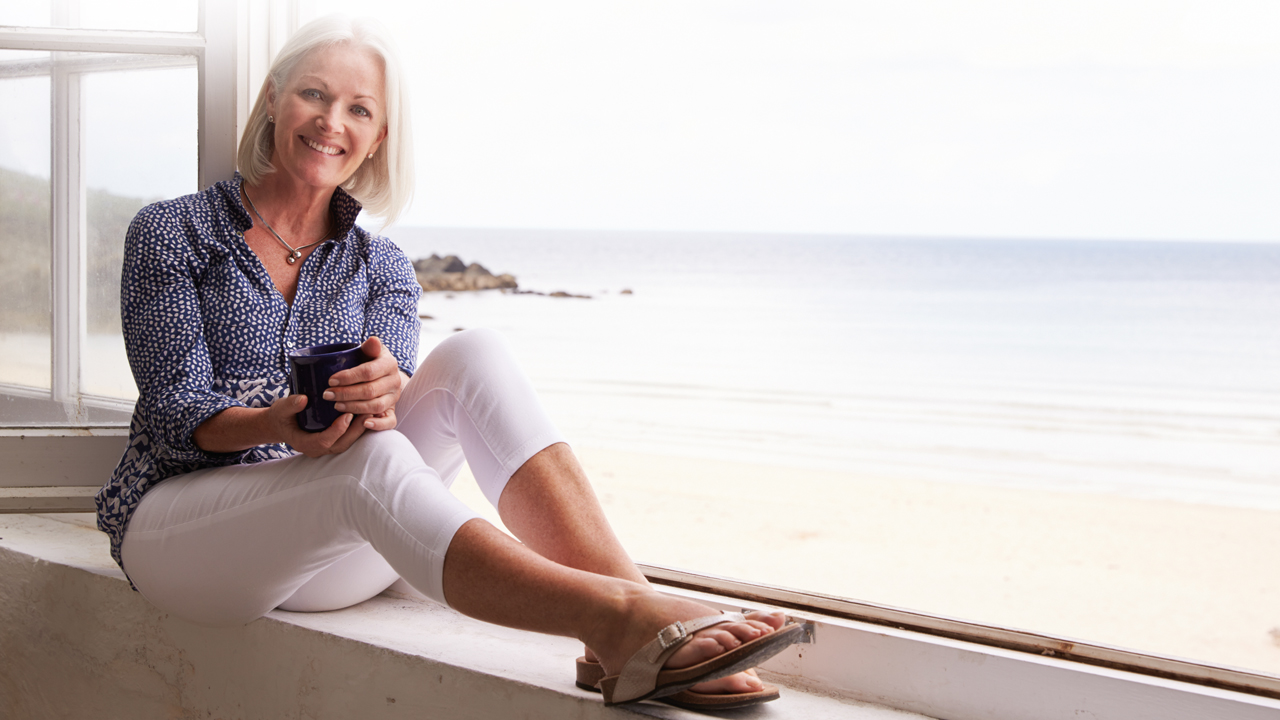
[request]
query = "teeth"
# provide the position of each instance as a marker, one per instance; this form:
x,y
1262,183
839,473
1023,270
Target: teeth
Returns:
x,y
322,148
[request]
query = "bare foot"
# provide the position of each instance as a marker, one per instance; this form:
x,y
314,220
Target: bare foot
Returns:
x,y
627,633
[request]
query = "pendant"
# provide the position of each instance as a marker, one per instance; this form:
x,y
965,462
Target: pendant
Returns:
x,y
292,259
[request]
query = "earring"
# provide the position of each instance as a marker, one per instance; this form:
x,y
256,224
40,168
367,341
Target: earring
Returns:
x,y
271,118
370,156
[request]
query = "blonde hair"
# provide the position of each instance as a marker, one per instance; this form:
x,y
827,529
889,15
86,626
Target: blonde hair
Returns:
x,y
383,184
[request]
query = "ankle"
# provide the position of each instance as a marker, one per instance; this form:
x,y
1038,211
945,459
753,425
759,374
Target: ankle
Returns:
x,y
613,621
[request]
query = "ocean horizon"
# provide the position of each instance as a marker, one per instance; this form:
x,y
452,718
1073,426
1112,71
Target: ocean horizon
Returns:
x,y
1147,369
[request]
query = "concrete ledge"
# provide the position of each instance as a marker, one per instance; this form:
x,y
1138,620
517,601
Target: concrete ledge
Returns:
x,y
76,641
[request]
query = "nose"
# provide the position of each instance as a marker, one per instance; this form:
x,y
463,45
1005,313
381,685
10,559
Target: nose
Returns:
x,y
330,121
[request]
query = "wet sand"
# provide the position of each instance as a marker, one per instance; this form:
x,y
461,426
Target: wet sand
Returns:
x,y
1192,581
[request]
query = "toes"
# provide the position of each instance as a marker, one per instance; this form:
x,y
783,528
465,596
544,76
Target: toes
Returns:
x,y
775,619
717,639
730,637
703,646
746,632
742,682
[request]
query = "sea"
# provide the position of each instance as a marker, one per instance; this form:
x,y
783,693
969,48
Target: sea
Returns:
x,y
1143,369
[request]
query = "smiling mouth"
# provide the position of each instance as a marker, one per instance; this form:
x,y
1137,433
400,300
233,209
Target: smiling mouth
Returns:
x,y
326,149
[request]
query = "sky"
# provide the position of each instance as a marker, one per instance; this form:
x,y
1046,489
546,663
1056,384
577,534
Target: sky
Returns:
x,y
1120,119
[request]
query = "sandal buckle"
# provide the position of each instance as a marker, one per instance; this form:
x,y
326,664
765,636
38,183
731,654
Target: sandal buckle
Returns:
x,y
672,634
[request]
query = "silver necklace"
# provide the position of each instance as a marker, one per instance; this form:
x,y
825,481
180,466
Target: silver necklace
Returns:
x,y
294,252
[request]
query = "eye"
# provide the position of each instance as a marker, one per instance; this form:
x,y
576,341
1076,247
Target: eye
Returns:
x,y
361,111
311,93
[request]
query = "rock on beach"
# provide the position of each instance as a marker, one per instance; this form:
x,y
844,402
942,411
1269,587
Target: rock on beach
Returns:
x,y
436,274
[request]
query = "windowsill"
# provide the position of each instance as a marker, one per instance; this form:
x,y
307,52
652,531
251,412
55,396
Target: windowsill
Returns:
x,y
76,637
394,653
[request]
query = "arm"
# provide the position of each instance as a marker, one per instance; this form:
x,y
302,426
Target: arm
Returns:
x,y
392,326
240,428
164,335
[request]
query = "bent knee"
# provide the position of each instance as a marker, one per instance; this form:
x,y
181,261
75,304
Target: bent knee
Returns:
x,y
382,461
466,352
475,340
380,444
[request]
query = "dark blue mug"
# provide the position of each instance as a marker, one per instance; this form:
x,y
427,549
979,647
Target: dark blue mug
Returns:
x,y
309,373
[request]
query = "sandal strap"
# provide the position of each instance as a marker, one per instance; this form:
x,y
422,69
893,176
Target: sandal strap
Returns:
x,y
640,674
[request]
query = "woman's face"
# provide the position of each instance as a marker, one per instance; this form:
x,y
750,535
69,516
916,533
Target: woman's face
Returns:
x,y
330,115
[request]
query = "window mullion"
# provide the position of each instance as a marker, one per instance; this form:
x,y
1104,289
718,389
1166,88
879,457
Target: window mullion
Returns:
x,y
70,251
281,26
219,22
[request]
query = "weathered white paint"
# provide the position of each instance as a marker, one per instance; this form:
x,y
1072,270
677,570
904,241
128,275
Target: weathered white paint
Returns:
x,y
220,26
1072,650
961,680
115,41
47,499
35,457
43,67
75,641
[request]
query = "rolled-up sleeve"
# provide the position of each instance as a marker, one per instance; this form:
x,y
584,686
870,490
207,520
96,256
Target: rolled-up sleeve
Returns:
x,y
392,309
164,337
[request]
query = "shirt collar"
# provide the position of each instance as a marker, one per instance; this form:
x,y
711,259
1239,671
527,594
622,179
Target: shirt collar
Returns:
x,y
345,208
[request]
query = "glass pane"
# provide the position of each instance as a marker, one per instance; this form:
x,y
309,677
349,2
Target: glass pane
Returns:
x,y
158,15
136,151
35,13
24,228
1060,431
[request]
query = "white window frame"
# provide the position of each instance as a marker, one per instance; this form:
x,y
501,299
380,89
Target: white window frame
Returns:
x,y
231,47
913,661
230,51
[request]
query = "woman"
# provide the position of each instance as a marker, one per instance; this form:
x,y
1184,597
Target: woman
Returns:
x,y
223,509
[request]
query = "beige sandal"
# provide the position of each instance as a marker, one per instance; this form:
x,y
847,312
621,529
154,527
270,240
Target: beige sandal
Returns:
x,y
643,676
590,673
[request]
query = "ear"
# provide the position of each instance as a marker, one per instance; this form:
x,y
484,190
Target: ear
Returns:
x,y
382,135
271,97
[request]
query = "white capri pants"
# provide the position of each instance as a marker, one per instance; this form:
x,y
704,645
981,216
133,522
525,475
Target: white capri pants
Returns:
x,y
223,546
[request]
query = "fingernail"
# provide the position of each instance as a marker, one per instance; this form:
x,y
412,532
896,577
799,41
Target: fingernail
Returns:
x,y
339,406
328,395
333,381
368,424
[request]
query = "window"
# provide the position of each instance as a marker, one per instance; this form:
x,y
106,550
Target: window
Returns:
x,y
512,98
120,86
896,333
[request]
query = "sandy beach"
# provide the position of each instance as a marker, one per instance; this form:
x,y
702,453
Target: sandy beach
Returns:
x,y
1193,581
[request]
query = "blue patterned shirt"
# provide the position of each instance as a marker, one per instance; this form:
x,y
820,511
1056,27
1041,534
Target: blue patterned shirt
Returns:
x,y
205,328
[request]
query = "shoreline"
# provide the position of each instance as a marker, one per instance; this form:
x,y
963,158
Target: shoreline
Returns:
x,y
1156,576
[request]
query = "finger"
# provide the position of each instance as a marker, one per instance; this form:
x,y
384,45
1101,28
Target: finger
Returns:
x,y
330,435
291,403
373,347
384,421
283,415
367,390
349,437
321,443
375,406
378,367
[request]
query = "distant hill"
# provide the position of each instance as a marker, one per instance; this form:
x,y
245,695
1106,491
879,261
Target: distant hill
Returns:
x,y
24,263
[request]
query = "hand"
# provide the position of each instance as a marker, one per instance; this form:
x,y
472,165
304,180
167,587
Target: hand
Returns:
x,y
370,390
282,417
